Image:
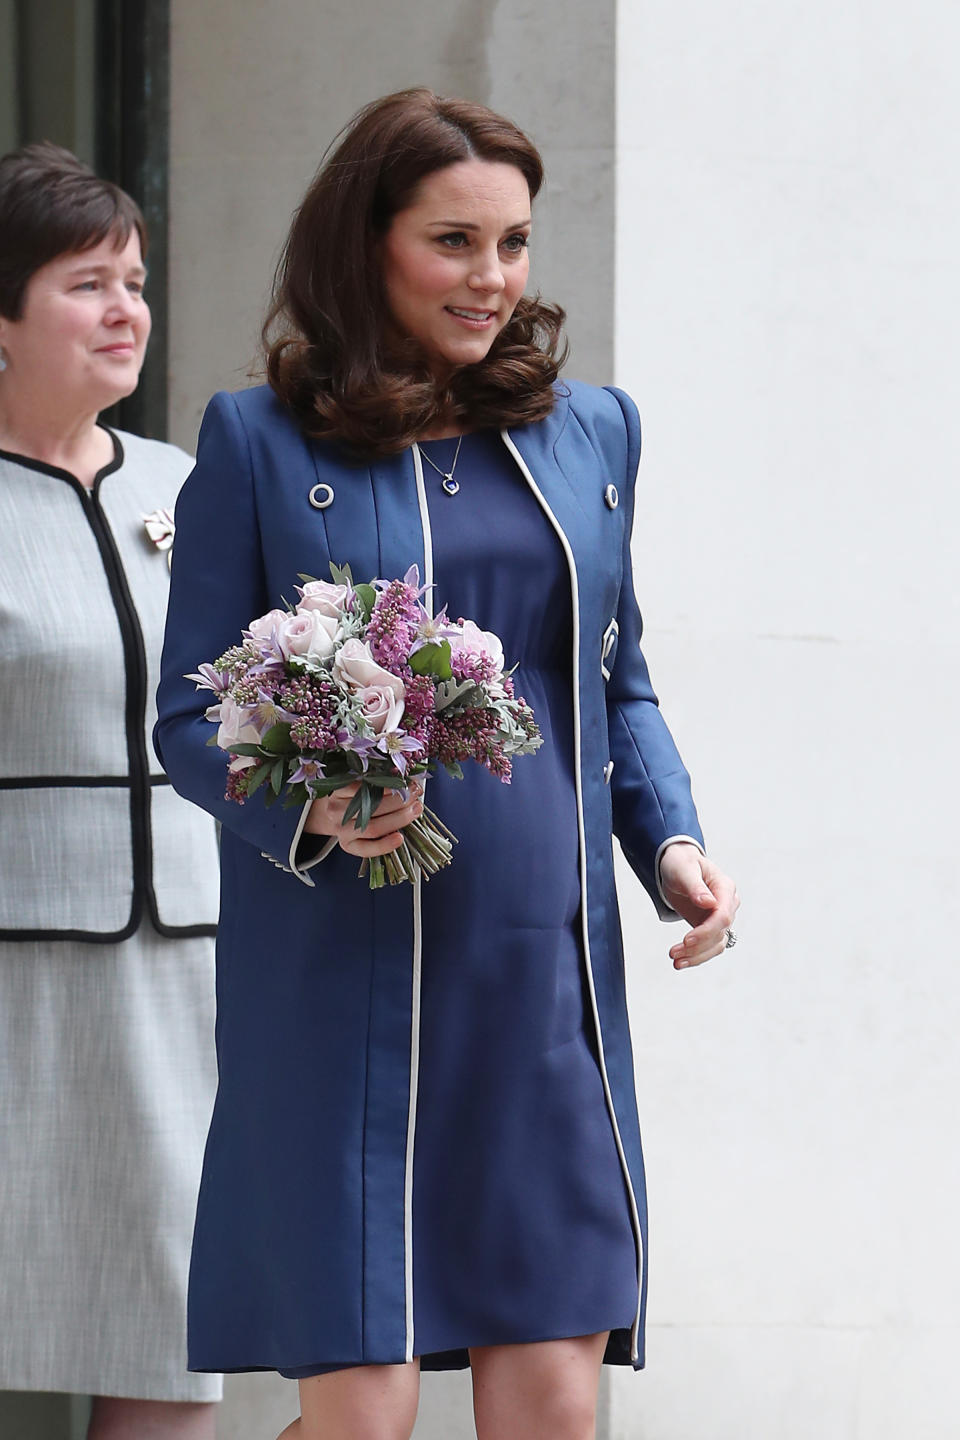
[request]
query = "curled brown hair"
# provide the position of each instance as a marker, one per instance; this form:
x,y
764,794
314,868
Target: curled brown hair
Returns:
x,y
52,204
325,333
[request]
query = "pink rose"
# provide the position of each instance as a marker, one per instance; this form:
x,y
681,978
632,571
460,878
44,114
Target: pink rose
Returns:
x,y
355,668
382,708
308,632
323,596
474,641
263,627
236,728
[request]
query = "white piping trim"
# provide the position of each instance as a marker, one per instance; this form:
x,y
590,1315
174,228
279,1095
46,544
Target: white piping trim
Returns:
x,y
575,589
427,532
291,865
293,868
412,1116
427,579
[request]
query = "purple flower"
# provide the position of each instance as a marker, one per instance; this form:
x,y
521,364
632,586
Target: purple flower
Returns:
x,y
434,628
307,770
209,678
360,745
237,728
412,582
267,713
398,745
269,674
393,623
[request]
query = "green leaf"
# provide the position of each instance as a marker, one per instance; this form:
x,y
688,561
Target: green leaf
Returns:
x,y
366,806
276,776
277,740
465,693
246,750
432,659
385,782
353,808
367,597
260,774
323,785
341,574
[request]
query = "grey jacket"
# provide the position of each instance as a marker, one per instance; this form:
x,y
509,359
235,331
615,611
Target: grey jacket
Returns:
x,y
93,839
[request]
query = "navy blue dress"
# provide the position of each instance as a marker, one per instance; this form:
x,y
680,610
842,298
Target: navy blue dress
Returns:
x,y
330,1230
521,1221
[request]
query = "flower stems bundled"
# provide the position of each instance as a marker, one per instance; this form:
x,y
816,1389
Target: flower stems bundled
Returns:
x,y
360,684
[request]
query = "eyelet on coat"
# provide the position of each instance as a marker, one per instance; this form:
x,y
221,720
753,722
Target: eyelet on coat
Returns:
x,y
611,496
321,496
607,772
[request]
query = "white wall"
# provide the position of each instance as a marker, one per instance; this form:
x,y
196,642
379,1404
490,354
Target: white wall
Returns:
x,y
788,238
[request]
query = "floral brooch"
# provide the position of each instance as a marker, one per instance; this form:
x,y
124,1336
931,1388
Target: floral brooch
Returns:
x,y
160,529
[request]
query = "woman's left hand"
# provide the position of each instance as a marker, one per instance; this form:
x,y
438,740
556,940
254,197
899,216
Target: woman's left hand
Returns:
x,y
702,895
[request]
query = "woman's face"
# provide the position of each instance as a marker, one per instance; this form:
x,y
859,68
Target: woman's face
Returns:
x,y
455,261
84,327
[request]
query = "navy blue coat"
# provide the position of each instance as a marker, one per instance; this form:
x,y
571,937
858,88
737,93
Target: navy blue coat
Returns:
x,y
303,1242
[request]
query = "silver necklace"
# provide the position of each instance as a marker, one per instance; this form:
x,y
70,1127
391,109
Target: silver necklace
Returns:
x,y
449,486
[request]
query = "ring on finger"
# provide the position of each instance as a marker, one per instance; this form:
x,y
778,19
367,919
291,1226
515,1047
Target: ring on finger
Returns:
x,y
730,938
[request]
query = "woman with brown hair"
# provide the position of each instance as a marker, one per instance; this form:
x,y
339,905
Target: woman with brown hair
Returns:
x,y
107,896
425,1151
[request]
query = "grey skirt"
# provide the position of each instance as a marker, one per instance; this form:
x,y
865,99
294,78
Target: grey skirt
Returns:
x,y
107,1078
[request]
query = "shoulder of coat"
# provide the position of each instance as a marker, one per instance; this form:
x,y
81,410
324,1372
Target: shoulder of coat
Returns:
x,y
258,405
609,417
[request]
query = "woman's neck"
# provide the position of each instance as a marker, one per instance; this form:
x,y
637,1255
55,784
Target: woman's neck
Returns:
x,y
75,443
448,425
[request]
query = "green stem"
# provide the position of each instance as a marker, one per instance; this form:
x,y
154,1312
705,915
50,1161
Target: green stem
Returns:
x,y
426,849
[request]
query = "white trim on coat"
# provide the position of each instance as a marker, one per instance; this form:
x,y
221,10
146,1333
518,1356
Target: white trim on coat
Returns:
x,y
584,903
427,580
412,1115
291,865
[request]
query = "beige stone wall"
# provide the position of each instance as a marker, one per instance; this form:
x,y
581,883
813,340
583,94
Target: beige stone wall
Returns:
x,y
258,91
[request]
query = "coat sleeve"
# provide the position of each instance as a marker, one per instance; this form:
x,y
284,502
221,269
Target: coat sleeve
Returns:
x,y
652,803
217,586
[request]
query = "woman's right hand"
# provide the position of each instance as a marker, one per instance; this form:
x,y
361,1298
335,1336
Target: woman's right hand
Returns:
x,y
383,832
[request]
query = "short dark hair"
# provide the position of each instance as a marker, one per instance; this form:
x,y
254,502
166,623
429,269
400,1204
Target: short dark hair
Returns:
x,y
52,204
325,332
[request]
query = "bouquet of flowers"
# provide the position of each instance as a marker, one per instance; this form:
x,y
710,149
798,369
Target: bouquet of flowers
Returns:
x,y
361,685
